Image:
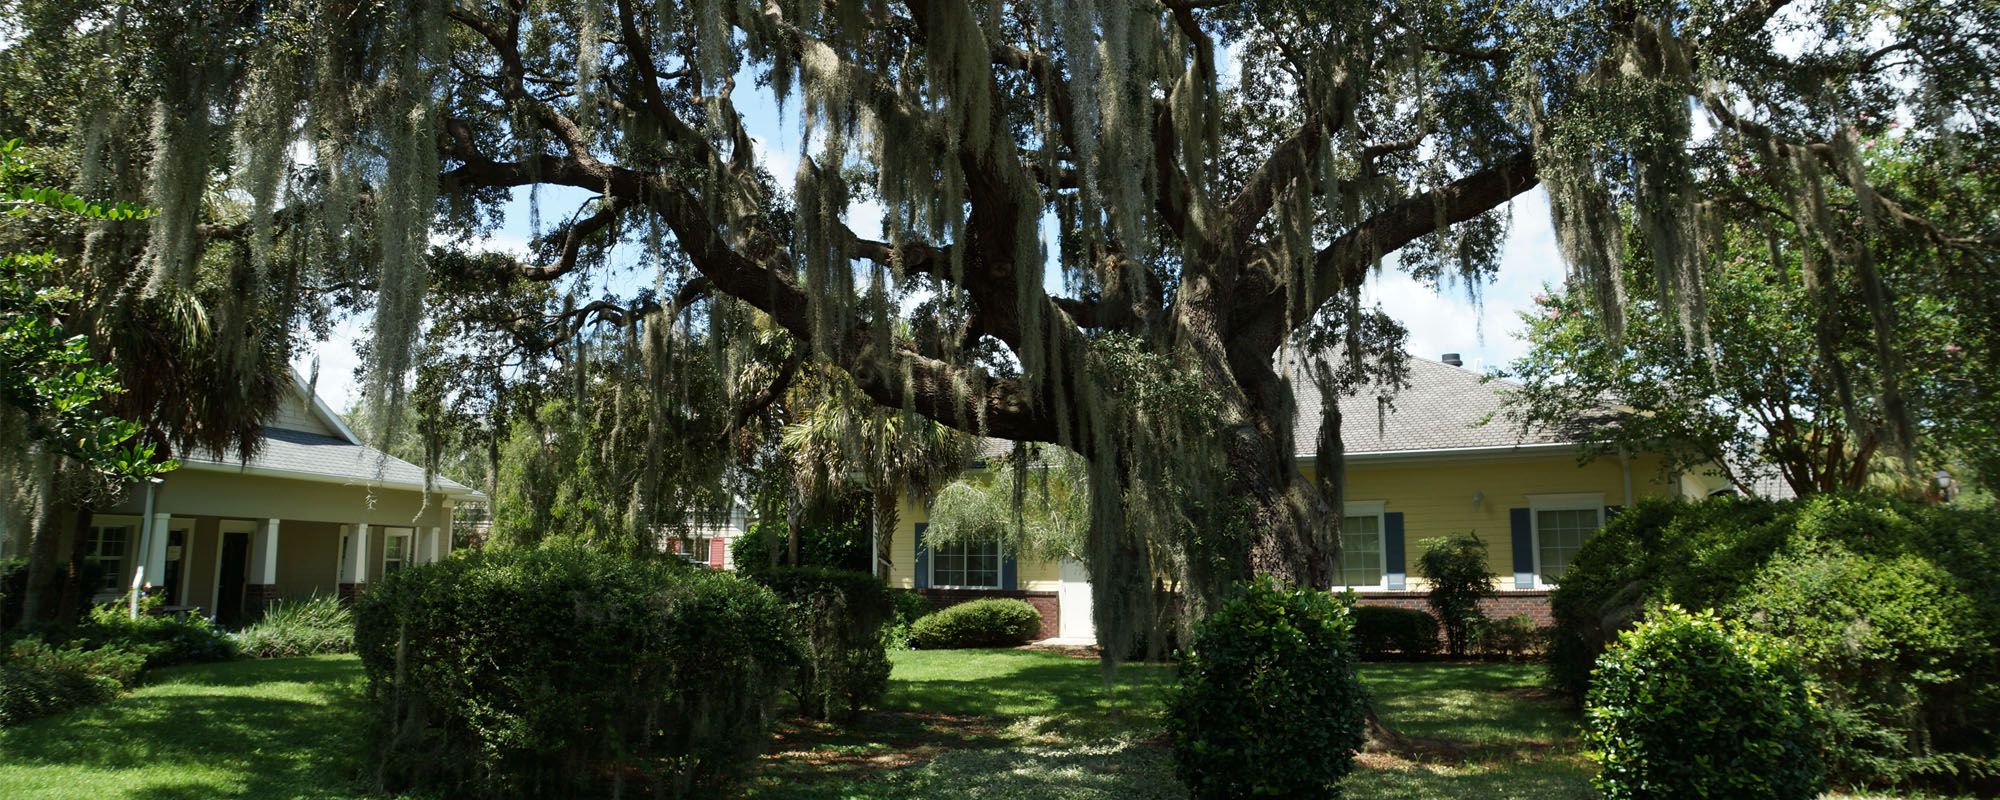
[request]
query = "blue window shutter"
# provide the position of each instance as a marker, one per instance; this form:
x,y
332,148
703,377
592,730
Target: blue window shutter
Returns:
x,y
1524,548
923,565
1392,548
1010,572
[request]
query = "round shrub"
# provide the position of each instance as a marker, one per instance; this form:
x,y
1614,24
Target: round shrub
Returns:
x,y
1267,703
1684,706
992,622
838,616
562,671
1382,630
1890,603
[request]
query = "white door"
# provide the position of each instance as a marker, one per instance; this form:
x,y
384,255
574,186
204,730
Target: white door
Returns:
x,y
1074,597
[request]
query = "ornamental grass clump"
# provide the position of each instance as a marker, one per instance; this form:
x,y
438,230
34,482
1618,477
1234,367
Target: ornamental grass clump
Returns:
x,y
1268,704
319,625
562,671
1687,706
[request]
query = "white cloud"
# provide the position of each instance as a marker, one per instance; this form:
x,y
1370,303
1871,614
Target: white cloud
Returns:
x,y
1485,336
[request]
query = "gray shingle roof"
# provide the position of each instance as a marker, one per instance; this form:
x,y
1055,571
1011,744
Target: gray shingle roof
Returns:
x,y
1440,410
331,457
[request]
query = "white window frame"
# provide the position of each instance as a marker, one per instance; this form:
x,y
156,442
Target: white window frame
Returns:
x,y
999,568
1379,510
1574,501
127,561
695,543
409,545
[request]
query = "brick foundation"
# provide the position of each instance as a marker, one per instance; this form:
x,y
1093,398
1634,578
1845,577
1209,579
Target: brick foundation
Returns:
x,y
1044,602
259,596
1534,603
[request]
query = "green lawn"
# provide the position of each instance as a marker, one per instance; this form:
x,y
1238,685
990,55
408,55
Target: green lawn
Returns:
x,y
283,728
972,724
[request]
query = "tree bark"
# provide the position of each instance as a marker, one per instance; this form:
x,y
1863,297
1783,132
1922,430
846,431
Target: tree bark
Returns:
x,y
39,603
69,604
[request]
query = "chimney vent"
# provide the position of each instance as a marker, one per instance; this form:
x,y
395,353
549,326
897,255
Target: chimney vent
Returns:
x,y
1452,359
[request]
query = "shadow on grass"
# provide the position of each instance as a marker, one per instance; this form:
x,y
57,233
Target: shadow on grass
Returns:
x,y
277,728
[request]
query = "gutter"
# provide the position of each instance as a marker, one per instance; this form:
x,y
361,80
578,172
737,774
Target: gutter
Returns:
x,y
1454,453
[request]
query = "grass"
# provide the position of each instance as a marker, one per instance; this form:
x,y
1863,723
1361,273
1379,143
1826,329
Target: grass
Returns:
x,y
969,723
282,728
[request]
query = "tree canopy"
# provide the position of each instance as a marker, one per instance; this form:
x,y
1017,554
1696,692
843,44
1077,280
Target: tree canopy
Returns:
x,y
1209,237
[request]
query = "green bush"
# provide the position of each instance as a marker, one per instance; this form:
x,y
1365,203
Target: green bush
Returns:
x,y
163,640
32,692
1381,630
838,617
1268,703
117,664
910,607
319,625
1684,706
991,622
563,671
1512,637
1455,568
1892,605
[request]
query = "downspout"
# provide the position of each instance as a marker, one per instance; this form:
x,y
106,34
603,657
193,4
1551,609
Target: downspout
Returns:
x,y
145,545
1625,465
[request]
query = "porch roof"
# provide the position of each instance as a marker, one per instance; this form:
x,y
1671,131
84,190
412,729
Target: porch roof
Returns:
x,y
328,459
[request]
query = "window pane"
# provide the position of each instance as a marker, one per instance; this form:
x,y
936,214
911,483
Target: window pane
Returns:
x,y
973,565
1361,551
1560,534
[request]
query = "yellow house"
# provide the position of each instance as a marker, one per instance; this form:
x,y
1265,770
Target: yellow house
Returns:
x,y
315,511
1420,464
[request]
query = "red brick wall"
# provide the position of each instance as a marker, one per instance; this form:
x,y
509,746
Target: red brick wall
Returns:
x,y
1044,602
1534,603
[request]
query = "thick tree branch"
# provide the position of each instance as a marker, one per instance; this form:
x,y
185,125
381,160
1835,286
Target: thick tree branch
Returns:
x,y
1345,261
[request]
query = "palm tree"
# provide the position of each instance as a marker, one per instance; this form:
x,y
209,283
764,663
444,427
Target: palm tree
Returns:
x,y
843,441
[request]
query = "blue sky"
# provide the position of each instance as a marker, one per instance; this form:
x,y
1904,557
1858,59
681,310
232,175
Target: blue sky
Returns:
x,y
1439,322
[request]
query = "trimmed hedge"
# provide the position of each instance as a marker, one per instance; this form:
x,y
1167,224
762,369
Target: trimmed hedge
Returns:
x,y
319,625
1684,706
564,671
838,616
1892,604
1382,630
990,622
1512,637
1268,703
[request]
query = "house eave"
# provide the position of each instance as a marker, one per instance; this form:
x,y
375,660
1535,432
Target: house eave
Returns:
x,y
1456,454
321,477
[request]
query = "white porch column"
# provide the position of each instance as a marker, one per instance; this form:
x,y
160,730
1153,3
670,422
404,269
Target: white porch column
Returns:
x,y
435,552
264,553
156,550
357,555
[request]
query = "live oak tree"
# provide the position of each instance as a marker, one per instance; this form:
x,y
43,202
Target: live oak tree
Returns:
x,y
1792,377
1209,237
